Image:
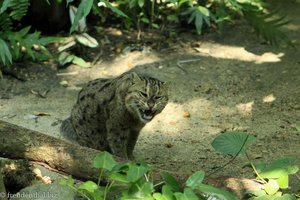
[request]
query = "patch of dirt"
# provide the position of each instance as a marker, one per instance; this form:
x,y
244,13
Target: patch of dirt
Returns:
x,y
227,82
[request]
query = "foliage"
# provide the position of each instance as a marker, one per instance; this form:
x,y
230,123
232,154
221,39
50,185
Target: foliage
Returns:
x,y
17,45
79,37
274,175
201,14
133,181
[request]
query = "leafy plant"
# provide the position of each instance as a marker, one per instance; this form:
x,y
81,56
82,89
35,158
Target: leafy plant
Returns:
x,y
274,175
80,37
16,45
156,14
133,181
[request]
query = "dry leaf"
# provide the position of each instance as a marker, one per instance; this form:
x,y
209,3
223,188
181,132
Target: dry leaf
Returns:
x,y
173,122
186,115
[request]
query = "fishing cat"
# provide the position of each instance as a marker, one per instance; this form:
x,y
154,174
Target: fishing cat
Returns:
x,y
109,113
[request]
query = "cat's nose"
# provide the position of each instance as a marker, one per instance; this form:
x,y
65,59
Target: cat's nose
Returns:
x,y
150,104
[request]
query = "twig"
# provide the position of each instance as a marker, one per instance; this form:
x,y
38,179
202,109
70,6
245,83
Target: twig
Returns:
x,y
180,62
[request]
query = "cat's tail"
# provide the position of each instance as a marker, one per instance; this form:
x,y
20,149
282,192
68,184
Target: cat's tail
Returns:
x,y
67,130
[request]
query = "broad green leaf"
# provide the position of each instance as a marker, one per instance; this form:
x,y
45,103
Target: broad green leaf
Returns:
x,y
296,126
119,172
146,189
167,192
137,191
271,187
204,11
188,194
232,143
170,181
79,61
283,182
67,182
104,160
87,40
278,168
286,197
141,3
83,10
195,179
265,197
89,186
159,196
65,58
118,177
5,54
5,5
216,193
136,172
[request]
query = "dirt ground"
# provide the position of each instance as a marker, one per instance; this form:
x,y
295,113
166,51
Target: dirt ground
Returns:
x,y
225,82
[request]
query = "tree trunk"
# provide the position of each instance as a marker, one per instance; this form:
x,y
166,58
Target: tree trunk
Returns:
x,y
20,143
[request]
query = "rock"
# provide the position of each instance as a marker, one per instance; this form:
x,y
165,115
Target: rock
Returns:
x,y
44,191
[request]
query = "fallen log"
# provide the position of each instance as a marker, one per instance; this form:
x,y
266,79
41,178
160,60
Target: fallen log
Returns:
x,y
20,143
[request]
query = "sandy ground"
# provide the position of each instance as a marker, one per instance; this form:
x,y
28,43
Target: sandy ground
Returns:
x,y
228,82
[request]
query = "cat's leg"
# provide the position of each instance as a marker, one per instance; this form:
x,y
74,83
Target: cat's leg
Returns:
x,y
117,140
131,143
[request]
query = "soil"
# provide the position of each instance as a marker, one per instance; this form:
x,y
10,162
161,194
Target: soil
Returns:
x,y
229,81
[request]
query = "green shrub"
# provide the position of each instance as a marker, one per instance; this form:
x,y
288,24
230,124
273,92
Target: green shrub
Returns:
x,y
133,181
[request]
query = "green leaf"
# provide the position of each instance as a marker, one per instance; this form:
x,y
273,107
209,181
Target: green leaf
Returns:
x,y
104,160
159,196
89,186
67,182
5,54
87,40
271,187
278,168
296,126
170,181
65,58
119,173
146,189
83,10
141,3
167,192
135,172
195,179
5,5
232,143
267,25
82,63
114,9
188,194
215,193
283,182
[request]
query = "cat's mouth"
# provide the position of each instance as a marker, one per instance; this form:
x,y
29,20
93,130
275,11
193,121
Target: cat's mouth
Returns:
x,y
147,115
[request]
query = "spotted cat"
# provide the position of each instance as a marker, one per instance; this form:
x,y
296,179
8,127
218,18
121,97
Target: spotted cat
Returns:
x,y
109,113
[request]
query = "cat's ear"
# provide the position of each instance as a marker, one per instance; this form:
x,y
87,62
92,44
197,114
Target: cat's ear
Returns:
x,y
165,84
135,77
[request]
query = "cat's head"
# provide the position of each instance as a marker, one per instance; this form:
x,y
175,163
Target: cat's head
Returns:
x,y
146,97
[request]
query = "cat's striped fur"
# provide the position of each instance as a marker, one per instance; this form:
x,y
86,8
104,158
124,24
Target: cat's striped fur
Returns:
x,y
109,113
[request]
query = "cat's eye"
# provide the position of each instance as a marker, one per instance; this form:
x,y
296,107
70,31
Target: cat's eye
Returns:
x,y
143,94
158,97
